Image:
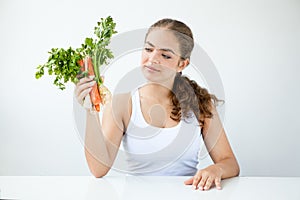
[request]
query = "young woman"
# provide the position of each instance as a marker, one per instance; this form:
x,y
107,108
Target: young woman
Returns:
x,y
162,120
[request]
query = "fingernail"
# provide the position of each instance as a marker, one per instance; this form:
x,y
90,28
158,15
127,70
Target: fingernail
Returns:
x,y
194,187
92,76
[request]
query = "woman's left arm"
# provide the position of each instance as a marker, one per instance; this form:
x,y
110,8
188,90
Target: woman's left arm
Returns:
x,y
225,164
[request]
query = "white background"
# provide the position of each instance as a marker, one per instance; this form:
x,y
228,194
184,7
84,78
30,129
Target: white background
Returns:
x,y
254,45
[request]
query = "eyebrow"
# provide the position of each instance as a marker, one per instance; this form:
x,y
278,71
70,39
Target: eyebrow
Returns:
x,y
163,49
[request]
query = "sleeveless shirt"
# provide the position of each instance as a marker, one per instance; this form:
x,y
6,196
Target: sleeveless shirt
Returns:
x,y
150,150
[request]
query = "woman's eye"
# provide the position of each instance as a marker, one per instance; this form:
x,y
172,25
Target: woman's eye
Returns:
x,y
166,56
148,49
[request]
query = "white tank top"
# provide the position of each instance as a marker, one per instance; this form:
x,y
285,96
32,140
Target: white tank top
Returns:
x,y
150,150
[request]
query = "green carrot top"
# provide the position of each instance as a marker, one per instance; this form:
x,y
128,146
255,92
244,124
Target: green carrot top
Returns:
x,y
64,63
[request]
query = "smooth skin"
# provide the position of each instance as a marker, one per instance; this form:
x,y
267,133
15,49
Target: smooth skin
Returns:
x,y
159,63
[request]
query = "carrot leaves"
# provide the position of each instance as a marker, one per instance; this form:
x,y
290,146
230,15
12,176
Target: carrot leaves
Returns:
x,y
64,63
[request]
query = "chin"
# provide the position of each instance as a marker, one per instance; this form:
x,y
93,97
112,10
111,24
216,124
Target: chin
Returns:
x,y
150,77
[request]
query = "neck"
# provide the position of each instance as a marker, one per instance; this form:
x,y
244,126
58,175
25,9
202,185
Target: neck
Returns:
x,y
156,92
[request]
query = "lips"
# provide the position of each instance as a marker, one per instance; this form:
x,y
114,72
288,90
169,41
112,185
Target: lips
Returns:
x,y
151,68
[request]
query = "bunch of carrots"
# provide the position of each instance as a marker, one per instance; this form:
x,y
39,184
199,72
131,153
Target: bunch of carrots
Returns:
x,y
71,65
87,66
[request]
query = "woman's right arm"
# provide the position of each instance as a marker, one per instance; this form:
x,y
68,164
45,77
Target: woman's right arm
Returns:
x,y
102,142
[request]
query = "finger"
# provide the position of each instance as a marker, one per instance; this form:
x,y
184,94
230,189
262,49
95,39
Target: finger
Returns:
x,y
202,183
218,183
83,95
83,90
80,88
196,180
85,80
208,183
189,181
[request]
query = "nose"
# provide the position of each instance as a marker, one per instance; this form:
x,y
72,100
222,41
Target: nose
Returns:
x,y
153,57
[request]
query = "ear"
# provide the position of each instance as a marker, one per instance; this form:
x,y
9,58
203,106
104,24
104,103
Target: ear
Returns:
x,y
182,64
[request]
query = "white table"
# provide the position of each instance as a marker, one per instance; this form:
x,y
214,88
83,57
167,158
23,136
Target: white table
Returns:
x,y
142,188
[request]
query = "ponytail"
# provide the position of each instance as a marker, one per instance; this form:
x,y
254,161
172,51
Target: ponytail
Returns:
x,y
188,96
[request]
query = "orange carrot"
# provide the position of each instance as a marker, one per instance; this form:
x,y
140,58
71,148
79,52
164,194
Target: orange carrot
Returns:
x,y
94,93
81,64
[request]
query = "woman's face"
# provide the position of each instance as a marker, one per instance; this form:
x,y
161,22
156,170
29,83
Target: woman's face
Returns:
x,y
160,56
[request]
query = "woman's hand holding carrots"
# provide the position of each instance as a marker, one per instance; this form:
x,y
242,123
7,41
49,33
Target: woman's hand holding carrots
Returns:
x,y
88,67
82,90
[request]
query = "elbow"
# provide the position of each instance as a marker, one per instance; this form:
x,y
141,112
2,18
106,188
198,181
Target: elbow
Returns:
x,y
237,169
236,172
99,174
233,168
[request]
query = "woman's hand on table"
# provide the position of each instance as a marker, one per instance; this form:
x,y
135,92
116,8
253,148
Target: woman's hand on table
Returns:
x,y
205,178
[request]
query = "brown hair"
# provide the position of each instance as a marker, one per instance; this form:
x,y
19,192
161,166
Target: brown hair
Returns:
x,y
186,94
